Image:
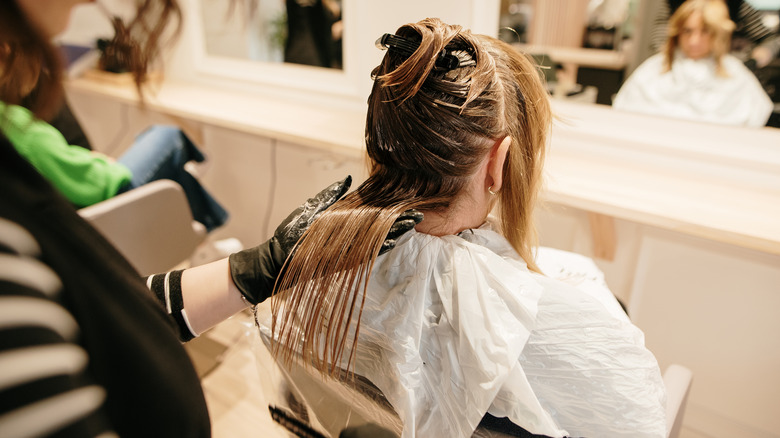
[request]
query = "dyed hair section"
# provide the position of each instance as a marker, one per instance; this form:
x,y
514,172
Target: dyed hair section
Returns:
x,y
427,132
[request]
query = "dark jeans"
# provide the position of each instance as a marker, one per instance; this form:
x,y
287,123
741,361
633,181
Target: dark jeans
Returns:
x,y
161,153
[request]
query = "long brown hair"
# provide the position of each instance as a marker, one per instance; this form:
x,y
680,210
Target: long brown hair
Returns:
x,y
28,64
715,18
427,131
31,68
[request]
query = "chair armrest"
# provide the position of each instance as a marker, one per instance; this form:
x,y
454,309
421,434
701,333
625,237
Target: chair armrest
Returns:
x,y
152,226
677,380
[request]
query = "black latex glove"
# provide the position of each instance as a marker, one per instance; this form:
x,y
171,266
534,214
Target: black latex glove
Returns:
x,y
368,430
405,222
254,270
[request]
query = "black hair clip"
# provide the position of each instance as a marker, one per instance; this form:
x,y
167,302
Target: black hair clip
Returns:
x,y
407,47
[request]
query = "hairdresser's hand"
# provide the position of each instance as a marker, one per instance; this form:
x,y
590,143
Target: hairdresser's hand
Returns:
x,y
365,431
254,270
405,222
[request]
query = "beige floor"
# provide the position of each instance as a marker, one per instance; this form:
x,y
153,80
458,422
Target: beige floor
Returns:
x,y
231,382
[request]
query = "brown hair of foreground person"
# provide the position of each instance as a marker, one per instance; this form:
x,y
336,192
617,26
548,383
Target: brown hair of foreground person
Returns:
x,y
29,63
428,129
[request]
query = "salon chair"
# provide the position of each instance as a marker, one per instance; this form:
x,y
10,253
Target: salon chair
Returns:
x,y
310,400
677,380
311,405
152,226
319,403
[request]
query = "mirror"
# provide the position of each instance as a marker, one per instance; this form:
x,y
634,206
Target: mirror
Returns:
x,y
599,43
292,49
587,45
204,60
305,32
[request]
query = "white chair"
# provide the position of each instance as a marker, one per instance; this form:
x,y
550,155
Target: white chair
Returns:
x,y
677,380
151,225
302,395
338,405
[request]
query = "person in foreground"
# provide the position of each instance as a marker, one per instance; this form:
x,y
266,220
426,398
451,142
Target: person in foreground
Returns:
x,y
457,325
87,350
694,77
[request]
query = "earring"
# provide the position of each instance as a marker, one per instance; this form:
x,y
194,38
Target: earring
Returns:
x,y
490,190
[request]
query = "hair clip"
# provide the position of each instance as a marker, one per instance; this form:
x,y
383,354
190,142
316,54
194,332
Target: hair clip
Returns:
x,y
407,47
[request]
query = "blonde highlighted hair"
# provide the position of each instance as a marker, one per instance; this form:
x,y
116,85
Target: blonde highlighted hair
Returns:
x,y
716,21
427,131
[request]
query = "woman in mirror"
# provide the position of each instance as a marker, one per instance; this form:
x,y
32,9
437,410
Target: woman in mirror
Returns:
x,y
694,77
457,326
752,40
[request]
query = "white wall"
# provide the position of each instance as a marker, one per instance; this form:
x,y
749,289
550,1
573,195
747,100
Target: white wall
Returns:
x,y
709,306
90,21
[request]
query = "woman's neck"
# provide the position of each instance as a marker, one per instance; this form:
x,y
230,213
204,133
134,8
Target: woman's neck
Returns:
x,y
460,216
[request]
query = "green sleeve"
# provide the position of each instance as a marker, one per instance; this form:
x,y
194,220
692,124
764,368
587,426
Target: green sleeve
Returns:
x,y
83,177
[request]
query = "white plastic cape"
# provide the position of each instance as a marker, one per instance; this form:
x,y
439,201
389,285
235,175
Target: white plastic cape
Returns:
x,y
456,326
692,90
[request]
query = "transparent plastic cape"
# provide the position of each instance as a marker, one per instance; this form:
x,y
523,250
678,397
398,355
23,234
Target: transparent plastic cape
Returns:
x,y
456,326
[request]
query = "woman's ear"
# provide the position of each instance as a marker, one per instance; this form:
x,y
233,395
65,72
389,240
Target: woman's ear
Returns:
x,y
495,170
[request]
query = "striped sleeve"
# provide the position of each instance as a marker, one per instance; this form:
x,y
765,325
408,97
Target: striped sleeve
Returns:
x,y
660,23
43,386
166,287
750,24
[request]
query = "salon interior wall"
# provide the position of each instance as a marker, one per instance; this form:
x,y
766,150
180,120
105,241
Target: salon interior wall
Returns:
x,y
709,306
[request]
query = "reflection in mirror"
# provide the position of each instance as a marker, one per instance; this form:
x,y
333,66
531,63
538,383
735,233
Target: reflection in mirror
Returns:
x,y
585,44
597,44
694,77
306,32
515,19
610,24
600,24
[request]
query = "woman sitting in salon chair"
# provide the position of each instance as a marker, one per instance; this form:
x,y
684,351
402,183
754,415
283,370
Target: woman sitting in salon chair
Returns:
x,y
458,325
694,77
86,177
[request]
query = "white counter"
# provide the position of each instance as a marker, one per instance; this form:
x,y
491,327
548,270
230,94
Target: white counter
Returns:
x,y
716,182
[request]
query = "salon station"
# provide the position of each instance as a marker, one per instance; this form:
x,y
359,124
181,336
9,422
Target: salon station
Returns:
x,y
682,217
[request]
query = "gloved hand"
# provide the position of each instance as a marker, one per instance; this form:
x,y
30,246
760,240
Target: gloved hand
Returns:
x,y
366,430
254,270
405,222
